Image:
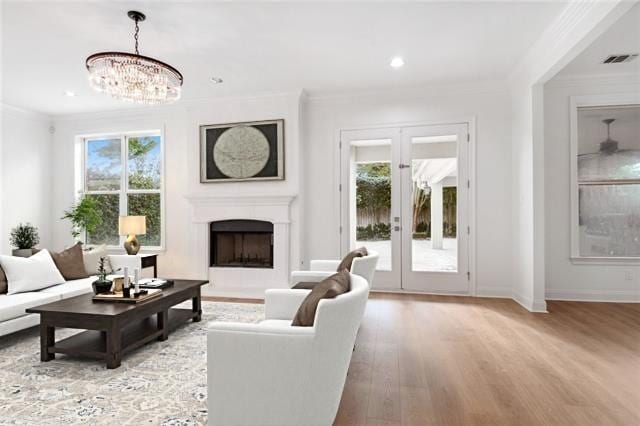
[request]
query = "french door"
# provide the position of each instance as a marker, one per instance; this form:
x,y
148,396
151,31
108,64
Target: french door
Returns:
x,y
405,194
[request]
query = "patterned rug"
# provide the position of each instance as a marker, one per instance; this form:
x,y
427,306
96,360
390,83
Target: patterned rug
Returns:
x,y
161,383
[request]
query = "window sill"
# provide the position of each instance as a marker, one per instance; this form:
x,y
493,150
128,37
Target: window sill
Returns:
x,y
143,250
625,261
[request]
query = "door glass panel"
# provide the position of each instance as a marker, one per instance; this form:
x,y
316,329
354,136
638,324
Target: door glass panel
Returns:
x,y
371,206
434,172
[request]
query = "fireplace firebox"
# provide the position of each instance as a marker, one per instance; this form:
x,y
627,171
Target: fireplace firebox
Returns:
x,y
241,243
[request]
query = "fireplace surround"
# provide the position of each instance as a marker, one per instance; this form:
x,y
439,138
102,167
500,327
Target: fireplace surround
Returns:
x,y
225,281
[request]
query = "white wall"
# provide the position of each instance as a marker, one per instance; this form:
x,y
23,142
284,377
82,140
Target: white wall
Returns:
x,y
180,124
324,117
25,166
565,280
579,24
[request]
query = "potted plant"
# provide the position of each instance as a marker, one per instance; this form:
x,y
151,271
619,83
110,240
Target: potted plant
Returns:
x,y
84,216
24,238
102,284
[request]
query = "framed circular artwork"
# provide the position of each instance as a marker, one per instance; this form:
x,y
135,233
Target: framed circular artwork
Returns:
x,y
242,151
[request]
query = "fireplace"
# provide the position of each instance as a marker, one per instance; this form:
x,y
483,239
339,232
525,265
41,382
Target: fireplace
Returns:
x,y
241,244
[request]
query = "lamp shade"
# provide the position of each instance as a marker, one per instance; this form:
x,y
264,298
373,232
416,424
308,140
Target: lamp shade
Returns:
x,y
136,225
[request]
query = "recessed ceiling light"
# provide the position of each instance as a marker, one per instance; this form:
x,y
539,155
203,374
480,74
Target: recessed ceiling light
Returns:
x,y
216,80
69,93
397,62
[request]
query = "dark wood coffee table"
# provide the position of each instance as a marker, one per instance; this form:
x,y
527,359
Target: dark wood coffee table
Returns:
x,y
115,328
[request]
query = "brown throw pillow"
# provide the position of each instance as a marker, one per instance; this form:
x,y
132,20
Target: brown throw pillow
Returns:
x,y
3,282
70,263
348,259
305,285
328,288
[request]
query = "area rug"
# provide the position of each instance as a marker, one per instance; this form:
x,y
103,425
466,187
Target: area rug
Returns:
x,y
161,383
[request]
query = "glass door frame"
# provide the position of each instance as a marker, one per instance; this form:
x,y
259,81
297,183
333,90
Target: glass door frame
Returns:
x,y
392,281
383,280
458,282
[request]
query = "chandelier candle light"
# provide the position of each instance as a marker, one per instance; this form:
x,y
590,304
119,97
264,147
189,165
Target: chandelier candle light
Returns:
x,y
133,77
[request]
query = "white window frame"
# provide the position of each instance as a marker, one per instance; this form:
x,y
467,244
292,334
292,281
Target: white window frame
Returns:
x,y
124,191
622,99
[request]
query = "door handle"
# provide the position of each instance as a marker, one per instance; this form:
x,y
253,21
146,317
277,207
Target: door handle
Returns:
x,y
403,166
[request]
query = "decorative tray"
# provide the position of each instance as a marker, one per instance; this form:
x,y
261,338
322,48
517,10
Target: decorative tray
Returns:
x,y
119,298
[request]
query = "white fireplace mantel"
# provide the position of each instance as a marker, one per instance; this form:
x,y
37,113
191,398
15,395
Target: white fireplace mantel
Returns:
x,y
251,282
207,208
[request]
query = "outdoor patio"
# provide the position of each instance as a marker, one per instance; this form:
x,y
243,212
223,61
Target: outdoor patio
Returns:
x,y
425,258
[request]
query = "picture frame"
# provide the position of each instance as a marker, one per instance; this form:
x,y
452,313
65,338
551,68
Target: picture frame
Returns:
x,y
244,151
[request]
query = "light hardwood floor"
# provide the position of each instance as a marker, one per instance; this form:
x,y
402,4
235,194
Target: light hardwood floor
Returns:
x,y
422,360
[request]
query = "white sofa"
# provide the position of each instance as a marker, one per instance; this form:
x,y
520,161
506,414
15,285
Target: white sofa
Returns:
x,y
364,266
272,373
12,307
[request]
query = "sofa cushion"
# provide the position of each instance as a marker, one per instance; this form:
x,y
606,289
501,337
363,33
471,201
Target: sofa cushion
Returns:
x,y
30,274
70,263
14,305
92,257
348,259
328,288
3,281
71,288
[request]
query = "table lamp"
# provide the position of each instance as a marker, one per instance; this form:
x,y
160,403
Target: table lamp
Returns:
x,y
132,226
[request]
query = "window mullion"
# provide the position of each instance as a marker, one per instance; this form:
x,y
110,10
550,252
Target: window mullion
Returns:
x,y
123,179
84,235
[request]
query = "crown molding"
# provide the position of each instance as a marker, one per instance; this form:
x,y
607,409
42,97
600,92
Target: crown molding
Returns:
x,y
413,92
579,24
24,113
179,107
582,80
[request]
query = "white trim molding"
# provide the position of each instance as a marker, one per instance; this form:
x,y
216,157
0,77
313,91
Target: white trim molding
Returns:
x,y
494,292
539,306
586,295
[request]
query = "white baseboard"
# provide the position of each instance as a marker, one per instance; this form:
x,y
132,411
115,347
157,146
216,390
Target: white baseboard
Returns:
x,y
496,292
539,306
583,295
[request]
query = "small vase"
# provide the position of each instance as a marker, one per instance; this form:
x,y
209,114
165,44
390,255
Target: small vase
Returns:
x,y
22,252
101,286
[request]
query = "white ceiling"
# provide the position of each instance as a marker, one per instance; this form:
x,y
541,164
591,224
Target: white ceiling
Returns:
x,y
264,47
621,38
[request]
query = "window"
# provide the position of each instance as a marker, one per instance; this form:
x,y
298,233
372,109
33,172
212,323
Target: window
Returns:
x,y
123,173
606,147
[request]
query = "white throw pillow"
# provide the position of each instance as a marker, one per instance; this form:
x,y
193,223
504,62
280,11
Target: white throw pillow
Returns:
x,y
92,257
31,273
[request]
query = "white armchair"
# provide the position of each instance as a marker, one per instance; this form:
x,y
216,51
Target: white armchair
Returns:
x,y
320,269
272,373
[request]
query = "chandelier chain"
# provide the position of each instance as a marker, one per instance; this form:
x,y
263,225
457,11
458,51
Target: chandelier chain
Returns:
x,y
135,36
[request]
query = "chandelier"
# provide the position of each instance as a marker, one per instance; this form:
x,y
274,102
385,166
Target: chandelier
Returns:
x,y
133,77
